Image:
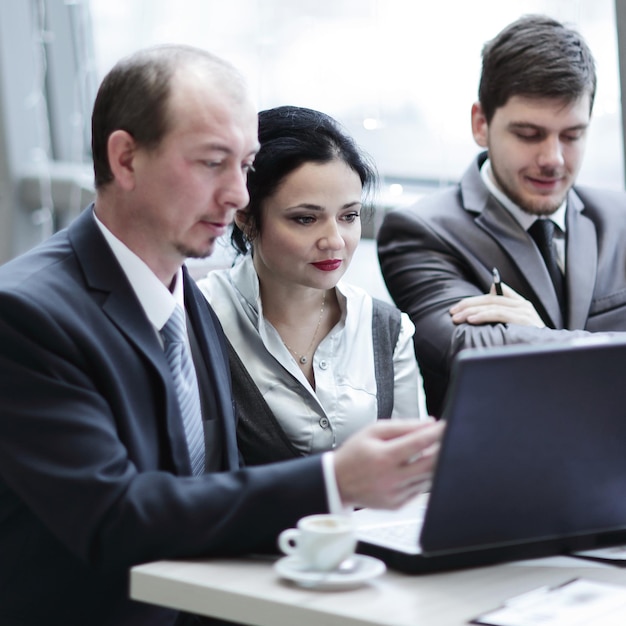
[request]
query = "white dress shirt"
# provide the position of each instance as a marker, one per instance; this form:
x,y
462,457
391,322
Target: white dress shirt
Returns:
x,y
155,298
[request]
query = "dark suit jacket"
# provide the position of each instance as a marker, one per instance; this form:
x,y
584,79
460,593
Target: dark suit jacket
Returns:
x,y
94,470
444,247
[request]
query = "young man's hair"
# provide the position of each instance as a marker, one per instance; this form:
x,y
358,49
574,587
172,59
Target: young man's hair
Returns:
x,y
537,57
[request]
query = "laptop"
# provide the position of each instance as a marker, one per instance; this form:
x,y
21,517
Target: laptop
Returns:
x,y
532,463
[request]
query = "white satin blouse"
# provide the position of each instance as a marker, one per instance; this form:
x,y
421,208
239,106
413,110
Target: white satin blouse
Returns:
x,y
344,398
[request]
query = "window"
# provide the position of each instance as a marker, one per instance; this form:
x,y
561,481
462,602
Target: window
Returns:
x,y
401,75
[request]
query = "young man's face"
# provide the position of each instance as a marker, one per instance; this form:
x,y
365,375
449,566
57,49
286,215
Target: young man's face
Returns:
x,y
536,148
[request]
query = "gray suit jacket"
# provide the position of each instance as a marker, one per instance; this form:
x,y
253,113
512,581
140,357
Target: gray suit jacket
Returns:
x,y
444,247
94,469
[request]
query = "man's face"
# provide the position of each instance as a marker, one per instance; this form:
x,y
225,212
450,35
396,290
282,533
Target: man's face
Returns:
x,y
188,188
536,148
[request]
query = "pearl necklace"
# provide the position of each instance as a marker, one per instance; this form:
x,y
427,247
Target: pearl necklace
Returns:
x,y
302,358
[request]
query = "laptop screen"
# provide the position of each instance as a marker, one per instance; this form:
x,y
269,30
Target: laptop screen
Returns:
x,y
534,449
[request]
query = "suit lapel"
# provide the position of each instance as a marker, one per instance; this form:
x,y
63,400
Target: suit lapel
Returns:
x,y
514,242
582,260
104,275
118,301
211,343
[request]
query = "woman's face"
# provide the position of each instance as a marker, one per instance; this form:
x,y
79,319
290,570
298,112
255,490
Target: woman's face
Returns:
x,y
311,226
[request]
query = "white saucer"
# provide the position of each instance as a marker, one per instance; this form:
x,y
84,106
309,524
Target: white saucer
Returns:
x,y
367,567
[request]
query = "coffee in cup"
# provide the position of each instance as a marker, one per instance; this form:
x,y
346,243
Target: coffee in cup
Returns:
x,y
320,542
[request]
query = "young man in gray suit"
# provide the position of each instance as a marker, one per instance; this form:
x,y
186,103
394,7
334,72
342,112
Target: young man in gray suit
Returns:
x,y
101,464
535,100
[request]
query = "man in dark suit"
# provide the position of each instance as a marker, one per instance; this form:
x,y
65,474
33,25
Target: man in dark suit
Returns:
x,y
95,464
535,100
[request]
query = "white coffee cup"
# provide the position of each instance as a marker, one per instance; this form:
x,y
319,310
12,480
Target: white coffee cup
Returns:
x,y
321,542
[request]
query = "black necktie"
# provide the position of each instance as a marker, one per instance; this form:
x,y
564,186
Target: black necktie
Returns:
x,y
542,231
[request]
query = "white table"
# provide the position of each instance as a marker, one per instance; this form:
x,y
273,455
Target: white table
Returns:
x,y
249,591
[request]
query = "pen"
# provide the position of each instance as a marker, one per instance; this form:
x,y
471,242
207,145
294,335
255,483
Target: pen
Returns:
x,y
497,283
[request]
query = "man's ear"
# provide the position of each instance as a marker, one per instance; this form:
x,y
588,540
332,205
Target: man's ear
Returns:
x,y
121,150
480,127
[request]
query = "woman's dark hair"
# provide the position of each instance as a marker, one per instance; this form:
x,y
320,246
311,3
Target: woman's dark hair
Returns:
x,y
290,137
537,57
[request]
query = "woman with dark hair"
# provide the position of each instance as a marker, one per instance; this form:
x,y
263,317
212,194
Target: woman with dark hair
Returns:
x,y
312,358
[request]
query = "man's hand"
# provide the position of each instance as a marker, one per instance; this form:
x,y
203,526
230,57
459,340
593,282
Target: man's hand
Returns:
x,y
509,308
388,463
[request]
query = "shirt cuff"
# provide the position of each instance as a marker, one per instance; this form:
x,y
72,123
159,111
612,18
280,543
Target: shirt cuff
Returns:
x,y
335,505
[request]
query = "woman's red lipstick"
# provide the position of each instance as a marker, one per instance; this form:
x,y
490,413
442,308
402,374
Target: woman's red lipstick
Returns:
x,y
328,266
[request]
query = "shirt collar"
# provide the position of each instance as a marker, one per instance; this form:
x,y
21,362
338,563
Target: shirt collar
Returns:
x,y
155,298
524,219
245,280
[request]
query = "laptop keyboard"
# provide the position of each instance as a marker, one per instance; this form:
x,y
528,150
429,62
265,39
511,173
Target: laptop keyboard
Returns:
x,y
397,531
401,536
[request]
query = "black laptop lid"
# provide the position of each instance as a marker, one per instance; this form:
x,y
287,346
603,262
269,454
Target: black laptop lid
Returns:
x,y
534,449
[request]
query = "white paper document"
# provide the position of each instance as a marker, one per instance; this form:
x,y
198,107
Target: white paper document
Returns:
x,y
576,603
614,553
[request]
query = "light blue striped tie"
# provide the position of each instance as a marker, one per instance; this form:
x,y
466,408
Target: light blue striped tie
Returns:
x,y
184,374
